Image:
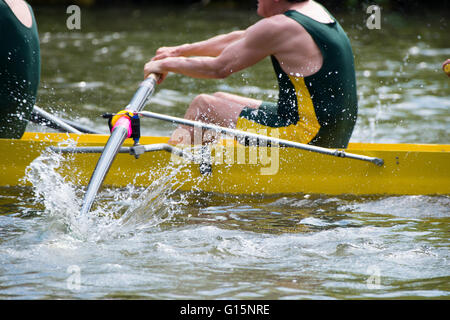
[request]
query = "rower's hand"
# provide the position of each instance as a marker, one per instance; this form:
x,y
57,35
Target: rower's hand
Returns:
x,y
446,67
155,67
166,52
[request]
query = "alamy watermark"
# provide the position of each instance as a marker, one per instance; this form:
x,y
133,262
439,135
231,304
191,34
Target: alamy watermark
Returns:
x,y
374,280
374,20
73,282
231,151
73,22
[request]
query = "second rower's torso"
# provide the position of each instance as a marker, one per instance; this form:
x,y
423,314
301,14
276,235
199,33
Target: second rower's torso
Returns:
x,y
297,52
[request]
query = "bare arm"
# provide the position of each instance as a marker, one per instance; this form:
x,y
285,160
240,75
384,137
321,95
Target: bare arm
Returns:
x,y
256,43
211,47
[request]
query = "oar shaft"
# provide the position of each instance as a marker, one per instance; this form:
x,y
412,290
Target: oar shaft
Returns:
x,y
145,91
105,161
115,141
58,123
80,127
272,140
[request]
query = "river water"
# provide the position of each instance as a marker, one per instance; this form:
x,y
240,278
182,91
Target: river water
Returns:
x,y
175,245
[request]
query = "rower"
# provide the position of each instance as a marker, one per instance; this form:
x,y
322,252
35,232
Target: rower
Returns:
x,y
314,66
20,66
446,67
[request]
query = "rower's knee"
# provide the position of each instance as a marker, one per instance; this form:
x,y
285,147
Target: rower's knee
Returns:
x,y
201,100
221,95
181,136
200,107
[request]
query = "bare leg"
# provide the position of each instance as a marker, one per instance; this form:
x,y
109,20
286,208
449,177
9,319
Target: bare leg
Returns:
x,y
222,109
249,102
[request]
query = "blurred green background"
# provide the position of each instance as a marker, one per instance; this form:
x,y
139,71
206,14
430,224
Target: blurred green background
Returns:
x,y
402,5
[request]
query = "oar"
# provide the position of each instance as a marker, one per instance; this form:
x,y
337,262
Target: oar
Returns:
x,y
38,114
280,142
119,133
42,117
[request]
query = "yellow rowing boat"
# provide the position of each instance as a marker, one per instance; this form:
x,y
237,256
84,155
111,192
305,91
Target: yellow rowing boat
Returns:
x,y
408,169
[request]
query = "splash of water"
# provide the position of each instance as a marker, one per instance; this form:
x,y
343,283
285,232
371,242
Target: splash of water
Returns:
x,y
119,211
58,196
155,204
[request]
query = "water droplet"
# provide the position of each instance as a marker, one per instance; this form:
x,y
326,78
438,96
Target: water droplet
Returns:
x,y
414,50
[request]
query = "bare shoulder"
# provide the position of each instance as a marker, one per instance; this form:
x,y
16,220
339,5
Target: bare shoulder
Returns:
x,y
21,11
274,24
273,28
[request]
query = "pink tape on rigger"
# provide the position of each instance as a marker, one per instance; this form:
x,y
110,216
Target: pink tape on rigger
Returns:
x,y
124,122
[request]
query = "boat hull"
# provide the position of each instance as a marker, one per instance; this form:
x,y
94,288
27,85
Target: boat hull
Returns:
x,y
409,169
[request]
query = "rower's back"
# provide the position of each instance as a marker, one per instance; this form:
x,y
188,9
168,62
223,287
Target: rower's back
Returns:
x,y
19,67
332,89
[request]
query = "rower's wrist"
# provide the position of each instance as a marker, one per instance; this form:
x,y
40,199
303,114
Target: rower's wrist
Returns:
x,y
167,65
184,49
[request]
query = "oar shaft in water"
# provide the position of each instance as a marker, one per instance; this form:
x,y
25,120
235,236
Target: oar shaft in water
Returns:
x,y
115,141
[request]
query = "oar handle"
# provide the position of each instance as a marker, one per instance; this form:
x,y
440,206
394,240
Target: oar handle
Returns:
x,y
146,89
154,76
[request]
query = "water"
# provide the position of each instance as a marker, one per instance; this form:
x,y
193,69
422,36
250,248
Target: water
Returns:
x,y
159,243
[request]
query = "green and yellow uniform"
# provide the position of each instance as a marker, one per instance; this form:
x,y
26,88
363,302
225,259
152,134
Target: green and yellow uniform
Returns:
x,y
320,109
20,67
